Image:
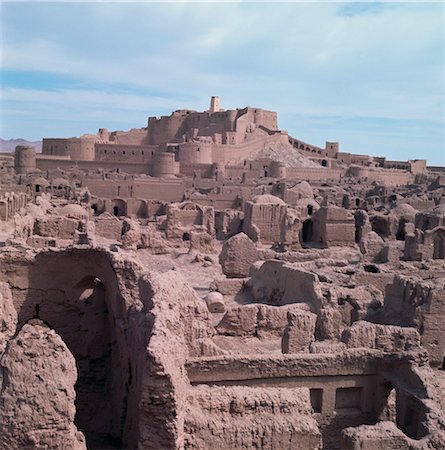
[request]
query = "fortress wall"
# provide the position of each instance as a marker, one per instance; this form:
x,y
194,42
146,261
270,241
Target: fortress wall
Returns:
x,y
81,149
305,148
46,163
268,119
233,153
230,120
390,177
156,189
206,123
165,128
344,157
436,168
205,170
160,189
217,201
240,129
234,171
209,124
136,136
124,153
39,156
310,173
362,160
401,165
195,120
383,176
219,123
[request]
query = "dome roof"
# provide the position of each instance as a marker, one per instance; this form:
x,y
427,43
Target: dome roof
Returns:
x,y
304,189
268,199
60,182
405,210
41,182
74,211
306,202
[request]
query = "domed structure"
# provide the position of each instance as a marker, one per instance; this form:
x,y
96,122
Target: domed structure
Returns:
x,y
268,199
74,211
310,204
304,190
406,211
40,182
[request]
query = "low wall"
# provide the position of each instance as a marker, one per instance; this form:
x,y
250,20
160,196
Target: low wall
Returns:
x,y
169,190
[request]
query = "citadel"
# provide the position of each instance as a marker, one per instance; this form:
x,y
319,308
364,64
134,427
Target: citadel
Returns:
x,y
211,282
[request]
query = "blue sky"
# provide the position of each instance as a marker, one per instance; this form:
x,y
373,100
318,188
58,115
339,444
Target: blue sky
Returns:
x,y
369,75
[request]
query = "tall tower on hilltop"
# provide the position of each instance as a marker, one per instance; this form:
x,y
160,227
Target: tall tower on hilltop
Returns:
x,y
214,104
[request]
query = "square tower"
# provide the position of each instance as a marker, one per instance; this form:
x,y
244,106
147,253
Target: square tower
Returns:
x,y
214,104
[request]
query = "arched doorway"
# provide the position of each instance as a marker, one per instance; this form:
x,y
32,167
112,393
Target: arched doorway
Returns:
x,y
439,243
79,297
140,209
307,230
91,346
119,207
400,233
82,321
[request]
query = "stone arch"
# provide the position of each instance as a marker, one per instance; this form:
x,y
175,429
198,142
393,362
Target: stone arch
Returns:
x,y
380,224
189,206
119,207
439,243
91,346
140,208
77,294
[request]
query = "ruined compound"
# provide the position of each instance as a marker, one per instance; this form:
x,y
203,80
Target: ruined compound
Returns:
x,y
210,282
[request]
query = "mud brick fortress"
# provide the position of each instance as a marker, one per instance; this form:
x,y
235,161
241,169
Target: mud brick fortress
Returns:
x,y
210,282
189,142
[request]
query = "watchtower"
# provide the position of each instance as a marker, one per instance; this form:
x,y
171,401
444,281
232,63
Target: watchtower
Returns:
x,y
214,104
24,159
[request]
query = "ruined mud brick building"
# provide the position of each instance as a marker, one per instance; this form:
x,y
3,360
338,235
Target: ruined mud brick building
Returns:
x,y
210,282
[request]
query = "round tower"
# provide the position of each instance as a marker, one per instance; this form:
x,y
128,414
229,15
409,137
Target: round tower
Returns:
x,y
278,170
195,153
24,159
164,164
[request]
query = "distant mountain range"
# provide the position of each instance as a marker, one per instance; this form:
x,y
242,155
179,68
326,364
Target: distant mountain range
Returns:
x,y
9,145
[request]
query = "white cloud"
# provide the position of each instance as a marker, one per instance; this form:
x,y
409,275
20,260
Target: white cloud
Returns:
x,y
129,60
